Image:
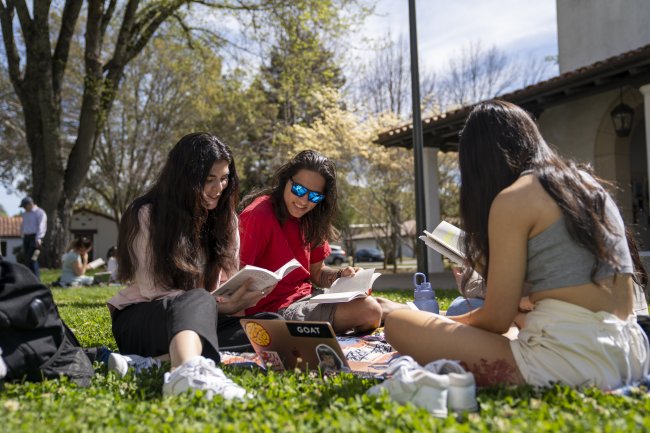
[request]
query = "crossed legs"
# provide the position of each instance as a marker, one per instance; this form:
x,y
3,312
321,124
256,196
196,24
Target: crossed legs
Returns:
x,y
428,337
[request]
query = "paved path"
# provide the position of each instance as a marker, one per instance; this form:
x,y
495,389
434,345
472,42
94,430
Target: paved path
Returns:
x,y
439,280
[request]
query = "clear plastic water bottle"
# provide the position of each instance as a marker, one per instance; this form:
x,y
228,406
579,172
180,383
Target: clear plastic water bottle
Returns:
x,y
425,297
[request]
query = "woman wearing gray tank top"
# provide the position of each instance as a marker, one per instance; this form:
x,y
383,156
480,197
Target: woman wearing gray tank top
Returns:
x,y
530,215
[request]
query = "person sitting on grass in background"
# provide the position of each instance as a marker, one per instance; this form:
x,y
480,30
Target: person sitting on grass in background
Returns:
x,y
177,243
111,264
532,216
75,264
293,219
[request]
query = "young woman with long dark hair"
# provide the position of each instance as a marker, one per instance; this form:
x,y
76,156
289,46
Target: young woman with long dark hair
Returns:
x,y
293,219
176,244
533,216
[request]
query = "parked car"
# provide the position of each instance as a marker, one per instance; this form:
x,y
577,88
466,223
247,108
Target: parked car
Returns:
x,y
369,255
337,257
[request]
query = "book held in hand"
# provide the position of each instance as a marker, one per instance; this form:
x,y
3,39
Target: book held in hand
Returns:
x,y
447,240
262,278
95,263
346,289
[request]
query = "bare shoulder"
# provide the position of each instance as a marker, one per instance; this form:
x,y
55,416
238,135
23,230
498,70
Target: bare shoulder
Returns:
x,y
526,201
522,193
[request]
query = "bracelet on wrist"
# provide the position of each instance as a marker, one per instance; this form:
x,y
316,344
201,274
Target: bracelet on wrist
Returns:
x,y
339,273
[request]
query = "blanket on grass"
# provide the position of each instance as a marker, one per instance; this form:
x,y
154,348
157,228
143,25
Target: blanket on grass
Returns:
x,y
371,348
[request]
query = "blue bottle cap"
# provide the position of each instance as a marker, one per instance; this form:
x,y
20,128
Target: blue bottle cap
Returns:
x,y
415,279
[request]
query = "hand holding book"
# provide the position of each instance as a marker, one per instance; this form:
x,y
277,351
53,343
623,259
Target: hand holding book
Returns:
x,y
243,297
346,289
262,278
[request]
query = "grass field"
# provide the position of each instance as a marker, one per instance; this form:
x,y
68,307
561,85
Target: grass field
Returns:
x,y
284,402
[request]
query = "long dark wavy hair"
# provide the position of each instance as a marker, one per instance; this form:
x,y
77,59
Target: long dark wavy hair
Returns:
x,y
500,141
315,225
187,242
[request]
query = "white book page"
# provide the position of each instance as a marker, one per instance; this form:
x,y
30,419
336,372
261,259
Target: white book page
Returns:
x,y
287,267
436,246
262,278
448,235
361,282
331,298
95,263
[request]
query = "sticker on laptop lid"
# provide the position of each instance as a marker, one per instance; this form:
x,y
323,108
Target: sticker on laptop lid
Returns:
x,y
257,334
312,330
328,360
271,360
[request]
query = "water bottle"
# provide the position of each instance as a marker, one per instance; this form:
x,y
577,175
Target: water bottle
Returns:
x,y
425,297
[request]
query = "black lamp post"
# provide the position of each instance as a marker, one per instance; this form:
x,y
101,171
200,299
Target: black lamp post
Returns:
x,y
420,211
622,116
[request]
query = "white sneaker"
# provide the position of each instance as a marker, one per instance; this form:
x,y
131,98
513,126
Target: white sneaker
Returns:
x,y
201,373
120,364
403,361
462,387
410,383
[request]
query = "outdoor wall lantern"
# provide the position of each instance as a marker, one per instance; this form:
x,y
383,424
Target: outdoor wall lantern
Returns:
x,y
622,116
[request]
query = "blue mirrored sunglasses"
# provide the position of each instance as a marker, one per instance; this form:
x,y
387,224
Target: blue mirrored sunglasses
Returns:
x,y
299,190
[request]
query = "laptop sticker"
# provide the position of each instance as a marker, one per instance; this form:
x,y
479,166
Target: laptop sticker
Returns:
x,y
312,330
272,360
258,334
328,360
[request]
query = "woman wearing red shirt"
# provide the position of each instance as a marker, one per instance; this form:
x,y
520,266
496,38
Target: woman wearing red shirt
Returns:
x,y
293,219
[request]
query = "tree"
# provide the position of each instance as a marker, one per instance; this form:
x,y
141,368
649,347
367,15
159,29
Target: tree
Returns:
x,y
299,67
15,156
37,57
477,74
449,186
164,94
384,83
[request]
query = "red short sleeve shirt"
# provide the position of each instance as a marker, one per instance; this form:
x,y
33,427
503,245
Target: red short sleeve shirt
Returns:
x,y
267,244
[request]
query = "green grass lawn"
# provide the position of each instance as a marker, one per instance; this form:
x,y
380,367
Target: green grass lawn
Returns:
x,y
284,402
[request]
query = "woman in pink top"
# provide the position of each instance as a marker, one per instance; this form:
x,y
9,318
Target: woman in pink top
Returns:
x,y
176,244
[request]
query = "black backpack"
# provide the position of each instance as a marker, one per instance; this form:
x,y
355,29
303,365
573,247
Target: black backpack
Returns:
x,y
35,342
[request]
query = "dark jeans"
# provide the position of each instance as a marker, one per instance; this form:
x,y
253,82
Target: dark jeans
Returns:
x,y
29,246
147,328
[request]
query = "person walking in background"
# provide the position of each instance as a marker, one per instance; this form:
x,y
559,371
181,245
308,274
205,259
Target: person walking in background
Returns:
x,y
32,230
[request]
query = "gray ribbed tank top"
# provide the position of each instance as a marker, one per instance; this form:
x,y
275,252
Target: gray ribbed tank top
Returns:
x,y
555,260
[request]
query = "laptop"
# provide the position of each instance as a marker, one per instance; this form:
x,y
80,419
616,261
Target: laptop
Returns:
x,y
288,344
102,277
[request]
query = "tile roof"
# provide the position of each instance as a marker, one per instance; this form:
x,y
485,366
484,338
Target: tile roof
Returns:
x,y
10,226
602,74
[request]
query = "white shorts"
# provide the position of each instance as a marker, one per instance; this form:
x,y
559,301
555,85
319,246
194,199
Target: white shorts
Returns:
x,y
562,342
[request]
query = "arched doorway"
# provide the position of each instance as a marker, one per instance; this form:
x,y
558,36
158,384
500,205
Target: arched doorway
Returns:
x,y
623,160
640,220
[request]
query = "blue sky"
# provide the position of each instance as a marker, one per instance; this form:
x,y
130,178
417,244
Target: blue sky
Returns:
x,y
521,28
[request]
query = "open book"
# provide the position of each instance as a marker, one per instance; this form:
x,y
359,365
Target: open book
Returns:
x,y
447,240
95,263
262,278
346,289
